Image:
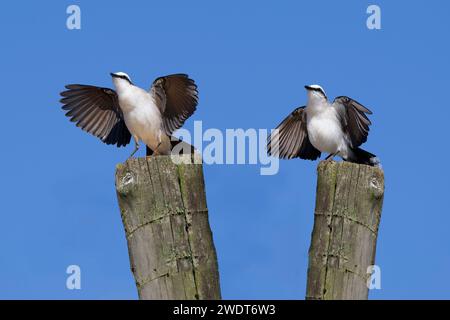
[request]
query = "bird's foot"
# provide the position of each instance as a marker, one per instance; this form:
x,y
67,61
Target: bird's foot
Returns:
x,y
156,152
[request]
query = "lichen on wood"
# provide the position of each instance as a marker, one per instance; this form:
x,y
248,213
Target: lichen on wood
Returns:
x,y
165,216
349,200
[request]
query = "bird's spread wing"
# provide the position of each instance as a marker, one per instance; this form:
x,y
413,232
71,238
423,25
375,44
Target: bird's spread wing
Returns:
x,y
176,97
96,110
354,119
292,138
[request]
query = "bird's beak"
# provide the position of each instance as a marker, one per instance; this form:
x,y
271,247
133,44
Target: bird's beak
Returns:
x,y
307,87
112,74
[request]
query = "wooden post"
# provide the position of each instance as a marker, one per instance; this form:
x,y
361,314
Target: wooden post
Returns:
x,y
164,212
348,209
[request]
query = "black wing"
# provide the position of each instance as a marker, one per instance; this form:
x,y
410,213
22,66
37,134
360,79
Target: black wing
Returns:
x,y
354,119
96,110
291,136
176,97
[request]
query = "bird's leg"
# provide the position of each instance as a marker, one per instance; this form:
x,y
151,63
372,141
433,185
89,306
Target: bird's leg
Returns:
x,y
330,157
156,149
159,143
136,146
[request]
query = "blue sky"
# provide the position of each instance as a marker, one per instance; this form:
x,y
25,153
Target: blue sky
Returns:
x,y
251,61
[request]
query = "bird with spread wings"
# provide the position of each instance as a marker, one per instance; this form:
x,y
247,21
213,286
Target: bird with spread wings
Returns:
x,y
114,116
337,128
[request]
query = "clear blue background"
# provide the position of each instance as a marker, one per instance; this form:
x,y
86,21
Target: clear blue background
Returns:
x,y
250,60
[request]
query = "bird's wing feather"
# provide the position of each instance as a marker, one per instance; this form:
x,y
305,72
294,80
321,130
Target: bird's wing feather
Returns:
x,y
176,96
96,110
354,119
292,138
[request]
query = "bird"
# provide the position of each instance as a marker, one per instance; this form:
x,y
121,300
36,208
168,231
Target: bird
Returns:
x,y
338,128
114,116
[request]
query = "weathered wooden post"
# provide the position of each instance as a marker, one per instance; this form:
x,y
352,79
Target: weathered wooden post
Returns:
x,y
348,209
164,212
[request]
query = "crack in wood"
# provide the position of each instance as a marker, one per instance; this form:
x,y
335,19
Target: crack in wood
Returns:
x,y
168,259
346,223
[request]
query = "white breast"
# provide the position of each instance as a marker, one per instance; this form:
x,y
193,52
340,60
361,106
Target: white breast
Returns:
x,y
141,115
324,130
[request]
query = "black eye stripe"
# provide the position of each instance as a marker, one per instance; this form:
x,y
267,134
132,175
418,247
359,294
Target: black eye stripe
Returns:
x,y
317,89
122,77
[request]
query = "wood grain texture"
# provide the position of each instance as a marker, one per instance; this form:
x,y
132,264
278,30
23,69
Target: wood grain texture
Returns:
x,y
343,243
164,212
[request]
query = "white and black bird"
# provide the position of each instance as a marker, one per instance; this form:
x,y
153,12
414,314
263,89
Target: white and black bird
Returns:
x,y
151,116
337,128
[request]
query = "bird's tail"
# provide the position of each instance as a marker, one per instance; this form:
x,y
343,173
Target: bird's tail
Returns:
x,y
180,146
358,155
